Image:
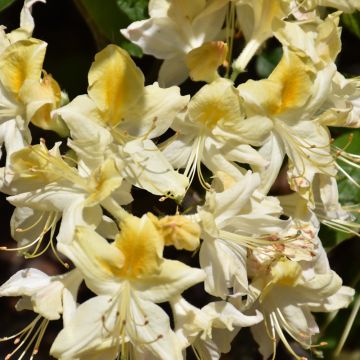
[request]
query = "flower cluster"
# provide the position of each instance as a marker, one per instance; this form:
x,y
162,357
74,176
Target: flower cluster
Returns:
x,y
260,257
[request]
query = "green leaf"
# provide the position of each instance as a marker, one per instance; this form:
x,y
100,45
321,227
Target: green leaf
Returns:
x,y
106,18
134,9
352,22
266,61
5,3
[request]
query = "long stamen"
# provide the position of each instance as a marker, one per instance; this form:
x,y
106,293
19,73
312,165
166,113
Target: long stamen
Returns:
x,y
191,164
283,338
255,242
32,225
37,241
29,330
340,225
273,338
20,333
291,330
348,176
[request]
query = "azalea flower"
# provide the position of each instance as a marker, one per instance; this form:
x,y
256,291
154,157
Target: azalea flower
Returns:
x,y
320,41
178,31
287,294
49,296
292,98
129,276
211,329
232,221
24,96
48,188
215,131
118,118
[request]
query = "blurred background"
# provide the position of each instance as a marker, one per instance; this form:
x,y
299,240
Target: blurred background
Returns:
x,y
75,30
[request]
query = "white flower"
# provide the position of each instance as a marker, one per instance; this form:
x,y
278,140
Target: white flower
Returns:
x,y
49,296
291,98
48,188
287,296
214,131
232,221
210,329
174,29
129,276
119,117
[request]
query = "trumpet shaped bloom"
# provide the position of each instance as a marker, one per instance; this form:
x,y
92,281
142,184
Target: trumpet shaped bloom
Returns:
x,y
287,295
48,188
20,74
118,118
214,131
129,276
210,329
291,98
48,296
232,221
175,31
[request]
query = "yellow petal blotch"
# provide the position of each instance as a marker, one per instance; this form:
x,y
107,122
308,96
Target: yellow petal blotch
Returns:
x,y
115,83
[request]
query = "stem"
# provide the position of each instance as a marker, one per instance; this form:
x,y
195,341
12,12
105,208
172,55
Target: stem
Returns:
x,y
348,327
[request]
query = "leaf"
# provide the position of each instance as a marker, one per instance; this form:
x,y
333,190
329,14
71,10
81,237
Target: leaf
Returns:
x,y
5,3
352,22
266,61
106,18
134,9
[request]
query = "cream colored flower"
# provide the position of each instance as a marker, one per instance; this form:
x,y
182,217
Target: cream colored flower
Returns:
x,y
47,188
49,296
178,31
287,296
214,131
211,329
129,276
292,98
118,118
25,95
233,221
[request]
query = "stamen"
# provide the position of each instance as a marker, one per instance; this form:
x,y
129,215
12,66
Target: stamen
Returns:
x,y
273,338
255,242
354,182
32,225
36,336
194,162
283,338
